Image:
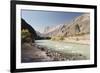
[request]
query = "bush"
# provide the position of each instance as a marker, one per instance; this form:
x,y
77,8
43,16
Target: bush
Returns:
x,y
25,33
57,38
26,36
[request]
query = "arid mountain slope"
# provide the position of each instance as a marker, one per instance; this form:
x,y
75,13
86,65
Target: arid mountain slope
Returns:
x,y
80,25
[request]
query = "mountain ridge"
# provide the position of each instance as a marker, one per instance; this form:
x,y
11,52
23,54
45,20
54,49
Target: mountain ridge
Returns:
x,y
80,25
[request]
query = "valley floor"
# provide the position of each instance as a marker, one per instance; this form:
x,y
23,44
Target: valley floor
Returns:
x,y
84,39
36,53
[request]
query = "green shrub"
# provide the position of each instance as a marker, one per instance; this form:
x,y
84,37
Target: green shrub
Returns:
x,y
26,36
25,33
57,38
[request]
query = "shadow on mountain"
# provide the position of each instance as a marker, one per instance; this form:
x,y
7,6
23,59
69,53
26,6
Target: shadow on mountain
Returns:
x,y
25,25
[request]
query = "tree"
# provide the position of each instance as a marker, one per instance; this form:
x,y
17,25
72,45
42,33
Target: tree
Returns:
x,y
26,36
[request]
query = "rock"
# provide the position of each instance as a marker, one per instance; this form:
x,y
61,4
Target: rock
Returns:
x,y
30,52
56,59
25,25
79,26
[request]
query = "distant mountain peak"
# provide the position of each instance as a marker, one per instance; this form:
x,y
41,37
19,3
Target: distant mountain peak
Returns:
x,y
82,21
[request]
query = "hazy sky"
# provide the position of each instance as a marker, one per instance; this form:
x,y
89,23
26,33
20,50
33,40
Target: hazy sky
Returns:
x,y
41,19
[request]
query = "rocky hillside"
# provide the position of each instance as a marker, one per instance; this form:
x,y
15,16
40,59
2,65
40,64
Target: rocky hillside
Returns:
x,y
25,25
79,26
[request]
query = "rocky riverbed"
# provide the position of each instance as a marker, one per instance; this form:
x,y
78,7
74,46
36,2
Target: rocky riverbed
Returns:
x,y
32,52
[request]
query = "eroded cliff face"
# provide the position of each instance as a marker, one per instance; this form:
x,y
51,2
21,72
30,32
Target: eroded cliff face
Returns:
x,y
79,26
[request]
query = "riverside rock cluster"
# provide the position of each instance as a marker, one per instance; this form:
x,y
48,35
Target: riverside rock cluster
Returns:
x,y
36,53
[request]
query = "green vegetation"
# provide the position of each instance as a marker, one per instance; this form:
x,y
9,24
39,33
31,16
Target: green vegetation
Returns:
x,y
26,36
57,38
25,33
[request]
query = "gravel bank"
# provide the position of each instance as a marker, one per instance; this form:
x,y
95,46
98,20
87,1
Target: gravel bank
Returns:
x,y
37,53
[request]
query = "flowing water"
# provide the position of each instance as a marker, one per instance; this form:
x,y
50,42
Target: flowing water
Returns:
x,y
66,47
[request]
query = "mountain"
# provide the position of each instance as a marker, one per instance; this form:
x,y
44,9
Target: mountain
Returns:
x,y
40,34
80,25
25,25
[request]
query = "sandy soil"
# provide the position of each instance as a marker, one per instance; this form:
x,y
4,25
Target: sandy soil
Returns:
x,y
84,39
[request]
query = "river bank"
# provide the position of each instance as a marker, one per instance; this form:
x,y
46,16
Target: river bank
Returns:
x,y
37,53
79,39
87,42
82,39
